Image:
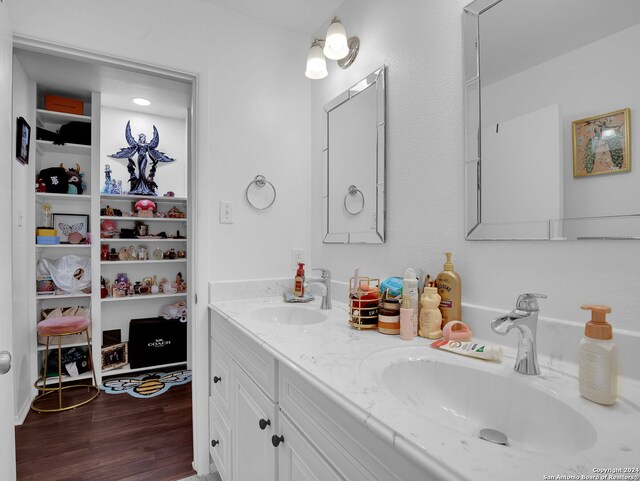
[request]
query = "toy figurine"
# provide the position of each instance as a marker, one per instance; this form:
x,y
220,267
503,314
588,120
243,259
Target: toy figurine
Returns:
x,y
140,183
107,180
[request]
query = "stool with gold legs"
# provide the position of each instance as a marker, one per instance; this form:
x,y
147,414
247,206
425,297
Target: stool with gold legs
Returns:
x,y
43,402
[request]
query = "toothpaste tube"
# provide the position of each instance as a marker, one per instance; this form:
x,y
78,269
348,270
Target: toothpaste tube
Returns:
x,y
473,349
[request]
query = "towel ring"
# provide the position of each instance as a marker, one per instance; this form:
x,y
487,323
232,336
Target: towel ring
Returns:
x,y
353,190
260,181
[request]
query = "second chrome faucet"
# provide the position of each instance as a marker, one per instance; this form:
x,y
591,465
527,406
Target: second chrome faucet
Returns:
x,y
524,318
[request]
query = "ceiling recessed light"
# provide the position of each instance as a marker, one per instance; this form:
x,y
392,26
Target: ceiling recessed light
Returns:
x,y
141,101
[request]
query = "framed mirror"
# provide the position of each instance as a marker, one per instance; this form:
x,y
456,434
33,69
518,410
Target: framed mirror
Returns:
x,y
354,163
551,96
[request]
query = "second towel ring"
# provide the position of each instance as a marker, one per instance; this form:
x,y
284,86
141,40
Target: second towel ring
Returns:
x,y
260,181
353,190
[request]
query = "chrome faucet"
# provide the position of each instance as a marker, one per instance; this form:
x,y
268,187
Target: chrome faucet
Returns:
x,y
323,280
525,319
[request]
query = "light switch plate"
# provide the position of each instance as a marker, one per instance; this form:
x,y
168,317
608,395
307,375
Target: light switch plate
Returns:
x,y
226,212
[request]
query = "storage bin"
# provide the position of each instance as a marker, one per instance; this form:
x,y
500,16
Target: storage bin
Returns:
x,y
155,340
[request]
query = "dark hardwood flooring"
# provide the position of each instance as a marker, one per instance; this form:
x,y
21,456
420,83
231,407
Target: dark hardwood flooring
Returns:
x,y
113,438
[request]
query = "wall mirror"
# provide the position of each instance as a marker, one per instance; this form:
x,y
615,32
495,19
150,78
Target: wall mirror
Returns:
x,y
354,163
551,103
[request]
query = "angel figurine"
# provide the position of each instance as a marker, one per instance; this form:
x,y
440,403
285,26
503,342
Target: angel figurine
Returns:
x,y
140,183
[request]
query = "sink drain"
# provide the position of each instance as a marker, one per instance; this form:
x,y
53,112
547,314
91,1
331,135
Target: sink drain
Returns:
x,y
493,436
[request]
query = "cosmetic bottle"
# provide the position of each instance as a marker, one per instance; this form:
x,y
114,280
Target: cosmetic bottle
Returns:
x,y
406,319
598,359
298,285
410,290
450,291
430,315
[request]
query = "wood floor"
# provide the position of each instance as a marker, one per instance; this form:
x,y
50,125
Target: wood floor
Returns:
x,y
115,437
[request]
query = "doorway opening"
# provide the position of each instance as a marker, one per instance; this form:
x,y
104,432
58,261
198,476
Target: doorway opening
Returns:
x,y
141,262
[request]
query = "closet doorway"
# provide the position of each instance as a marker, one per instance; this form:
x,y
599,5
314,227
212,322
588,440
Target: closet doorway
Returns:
x,y
140,256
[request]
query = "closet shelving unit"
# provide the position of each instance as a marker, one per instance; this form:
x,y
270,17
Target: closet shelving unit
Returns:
x,y
50,155
115,312
110,312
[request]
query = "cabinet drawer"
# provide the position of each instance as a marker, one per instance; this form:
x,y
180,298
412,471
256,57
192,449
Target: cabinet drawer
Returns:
x,y
221,379
247,353
355,453
219,442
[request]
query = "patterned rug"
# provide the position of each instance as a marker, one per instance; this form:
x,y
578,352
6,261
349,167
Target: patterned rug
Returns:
x,y
146,385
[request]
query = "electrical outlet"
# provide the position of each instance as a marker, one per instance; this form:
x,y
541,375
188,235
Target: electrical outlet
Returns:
x,y
226,212
297,256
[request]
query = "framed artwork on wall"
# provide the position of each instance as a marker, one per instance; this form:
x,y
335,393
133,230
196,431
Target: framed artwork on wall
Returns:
x,y
23,138
602,144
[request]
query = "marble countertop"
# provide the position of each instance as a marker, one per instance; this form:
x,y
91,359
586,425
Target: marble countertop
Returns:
x,y
344,362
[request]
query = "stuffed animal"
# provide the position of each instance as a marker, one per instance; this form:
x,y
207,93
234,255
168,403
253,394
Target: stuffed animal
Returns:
x,y
76,185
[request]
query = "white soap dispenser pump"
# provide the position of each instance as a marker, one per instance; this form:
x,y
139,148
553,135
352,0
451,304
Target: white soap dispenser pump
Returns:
x,y
598,358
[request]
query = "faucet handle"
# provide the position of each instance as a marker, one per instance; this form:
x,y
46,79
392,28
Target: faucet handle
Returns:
x,y
527,302
325,273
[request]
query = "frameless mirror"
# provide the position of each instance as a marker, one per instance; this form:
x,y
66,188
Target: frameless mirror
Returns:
x,y
548,156
354,161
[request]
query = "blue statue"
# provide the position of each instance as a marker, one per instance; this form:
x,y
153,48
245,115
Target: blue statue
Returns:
x,y
141,184
107,180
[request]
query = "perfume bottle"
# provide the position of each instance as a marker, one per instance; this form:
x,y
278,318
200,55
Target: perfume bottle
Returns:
x,y
157,254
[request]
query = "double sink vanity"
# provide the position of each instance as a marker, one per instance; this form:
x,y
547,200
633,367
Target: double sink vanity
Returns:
x,y
296,394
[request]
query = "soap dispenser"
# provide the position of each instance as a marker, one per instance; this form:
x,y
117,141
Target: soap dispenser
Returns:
x,y
598,358
298,285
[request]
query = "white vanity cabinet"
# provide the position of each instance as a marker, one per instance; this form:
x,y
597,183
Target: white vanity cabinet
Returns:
x,y
278,425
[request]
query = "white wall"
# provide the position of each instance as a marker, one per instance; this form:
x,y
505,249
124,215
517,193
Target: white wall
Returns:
x,y
252,118
420,41
598,78
173,142
22,194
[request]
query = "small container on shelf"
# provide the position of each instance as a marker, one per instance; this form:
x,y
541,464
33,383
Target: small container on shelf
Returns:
x,y
364,303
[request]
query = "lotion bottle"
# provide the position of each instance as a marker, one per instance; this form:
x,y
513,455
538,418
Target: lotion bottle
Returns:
x,y
298,285
430,315
410,290
598,358
450,291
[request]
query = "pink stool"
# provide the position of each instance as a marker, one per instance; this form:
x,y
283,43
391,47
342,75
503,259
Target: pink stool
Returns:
x,y
59,327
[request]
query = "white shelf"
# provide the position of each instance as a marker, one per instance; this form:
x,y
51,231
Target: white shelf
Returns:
x,y
62,246
59,117
84,375
61,296
156,199
150,261
127,368
109,241
53,346
52,196
48,146
142,297
143,219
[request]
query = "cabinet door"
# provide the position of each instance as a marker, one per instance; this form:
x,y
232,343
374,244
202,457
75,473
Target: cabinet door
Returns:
x,y
254,423
220,441
221,378
300,461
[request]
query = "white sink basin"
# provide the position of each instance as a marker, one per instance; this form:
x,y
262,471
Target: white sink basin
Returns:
x,y
471,396
288,314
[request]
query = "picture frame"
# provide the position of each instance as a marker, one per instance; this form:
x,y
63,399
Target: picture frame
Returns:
x,y
23,140
115,356
65,224
602,144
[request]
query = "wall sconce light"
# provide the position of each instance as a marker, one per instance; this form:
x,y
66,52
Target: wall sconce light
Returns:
x,y
334,47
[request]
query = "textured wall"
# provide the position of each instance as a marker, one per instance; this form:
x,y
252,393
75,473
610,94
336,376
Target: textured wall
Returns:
x,y
420,42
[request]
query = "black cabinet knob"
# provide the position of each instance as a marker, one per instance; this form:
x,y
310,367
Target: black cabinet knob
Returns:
x,y
263,423
216,379
214,443
276,440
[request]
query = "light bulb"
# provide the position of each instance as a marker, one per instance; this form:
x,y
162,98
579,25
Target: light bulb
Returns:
x,y
316,63
335,47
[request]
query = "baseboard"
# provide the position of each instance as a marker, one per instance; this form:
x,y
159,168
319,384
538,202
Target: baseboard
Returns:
x,y
21,415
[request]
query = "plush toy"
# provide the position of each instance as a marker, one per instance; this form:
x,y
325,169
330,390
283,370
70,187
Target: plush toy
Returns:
x,y
75,180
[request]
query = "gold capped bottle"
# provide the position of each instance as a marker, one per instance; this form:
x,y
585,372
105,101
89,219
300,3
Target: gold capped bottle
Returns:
x,y
450,291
